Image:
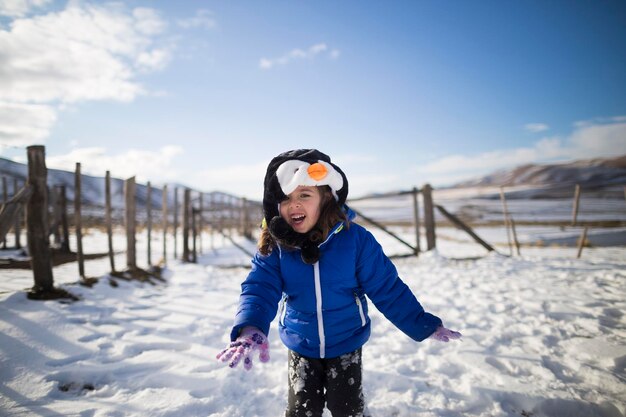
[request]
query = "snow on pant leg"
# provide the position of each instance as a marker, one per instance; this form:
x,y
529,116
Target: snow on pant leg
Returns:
x,y
306,386
344,393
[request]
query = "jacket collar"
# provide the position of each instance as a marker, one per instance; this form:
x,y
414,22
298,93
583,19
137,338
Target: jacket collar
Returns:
x,y
350,215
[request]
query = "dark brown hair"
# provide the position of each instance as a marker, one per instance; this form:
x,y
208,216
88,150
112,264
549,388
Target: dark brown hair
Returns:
x,y
330,214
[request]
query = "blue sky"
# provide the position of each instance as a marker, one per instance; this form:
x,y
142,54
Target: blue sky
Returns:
x,y
398,93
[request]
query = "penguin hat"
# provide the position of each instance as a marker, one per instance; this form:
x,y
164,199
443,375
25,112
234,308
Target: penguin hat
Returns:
x,y
287,171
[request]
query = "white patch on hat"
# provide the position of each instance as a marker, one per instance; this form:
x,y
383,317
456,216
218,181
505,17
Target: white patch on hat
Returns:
x,y
292,173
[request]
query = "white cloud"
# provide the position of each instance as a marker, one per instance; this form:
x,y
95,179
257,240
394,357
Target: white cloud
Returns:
x,y
154,59
316,49
84,52
298,54
203,19
147,165
536,127
18,8
603,140
80,53
588,140
600,121
148,21
25,123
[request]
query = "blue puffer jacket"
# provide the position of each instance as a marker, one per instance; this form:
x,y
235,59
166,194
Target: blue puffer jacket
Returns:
x,y
324,309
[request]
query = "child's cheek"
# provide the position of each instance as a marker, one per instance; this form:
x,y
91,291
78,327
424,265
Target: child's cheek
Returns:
x,y
283,212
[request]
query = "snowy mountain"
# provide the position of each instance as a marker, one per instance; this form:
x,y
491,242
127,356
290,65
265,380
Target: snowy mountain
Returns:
x,y
600,177
93,188
599,171
604,177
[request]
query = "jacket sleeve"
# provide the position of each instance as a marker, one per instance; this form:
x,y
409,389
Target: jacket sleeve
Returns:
x,y
260,293
379,278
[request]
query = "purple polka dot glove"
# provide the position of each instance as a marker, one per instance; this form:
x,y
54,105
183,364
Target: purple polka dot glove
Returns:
x,y
445,335
250,339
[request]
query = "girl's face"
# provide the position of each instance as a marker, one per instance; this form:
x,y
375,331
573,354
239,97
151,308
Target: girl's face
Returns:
x,y
301,208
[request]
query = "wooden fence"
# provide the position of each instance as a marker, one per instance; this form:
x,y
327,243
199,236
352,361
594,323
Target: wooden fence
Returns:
x,y
473,211
429,224
48,214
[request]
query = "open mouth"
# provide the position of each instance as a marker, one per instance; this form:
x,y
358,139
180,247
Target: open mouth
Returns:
x,y
298,219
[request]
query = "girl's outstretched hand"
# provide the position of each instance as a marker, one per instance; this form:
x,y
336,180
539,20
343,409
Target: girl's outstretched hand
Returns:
x,y
250,339
445,335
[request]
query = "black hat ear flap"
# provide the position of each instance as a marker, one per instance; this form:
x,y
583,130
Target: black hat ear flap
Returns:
x,y
310,252
279,228
284,234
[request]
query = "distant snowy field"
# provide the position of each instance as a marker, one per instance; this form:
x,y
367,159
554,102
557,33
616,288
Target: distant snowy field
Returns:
x,y
544,335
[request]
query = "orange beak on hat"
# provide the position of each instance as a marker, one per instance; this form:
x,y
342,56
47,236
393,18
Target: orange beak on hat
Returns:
x,y
317,171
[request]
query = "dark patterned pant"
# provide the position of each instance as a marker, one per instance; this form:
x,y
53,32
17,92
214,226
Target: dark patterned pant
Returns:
x,y
334,383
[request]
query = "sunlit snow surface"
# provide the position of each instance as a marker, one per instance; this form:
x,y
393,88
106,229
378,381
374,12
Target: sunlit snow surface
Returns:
x,y
544,334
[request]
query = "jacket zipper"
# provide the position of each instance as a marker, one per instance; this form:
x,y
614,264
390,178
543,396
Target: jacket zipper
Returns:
x,y
338,229
320,318
318,296
283,310
361,313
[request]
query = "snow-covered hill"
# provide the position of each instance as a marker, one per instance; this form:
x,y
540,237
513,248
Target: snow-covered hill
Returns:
x,y
92,187
605,177
600,177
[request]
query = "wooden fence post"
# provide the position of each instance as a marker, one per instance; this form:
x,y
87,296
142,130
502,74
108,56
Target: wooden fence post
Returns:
x,y
231,222
455,220
429,217
515,236
581,242
65,227
78,222
5,199
175,223
222,217
18,218
213,225
165,222
201,220
11,209
37,220
505,214
245,219
576,202
131,226
55,227
384,229
194,231
108,219
416,221
234,215
186,212
149,221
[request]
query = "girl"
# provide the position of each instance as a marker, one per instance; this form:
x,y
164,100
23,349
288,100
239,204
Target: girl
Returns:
x,y
322,266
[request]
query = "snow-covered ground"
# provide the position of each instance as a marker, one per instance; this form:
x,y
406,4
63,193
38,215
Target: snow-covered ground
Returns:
x,y
544,334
